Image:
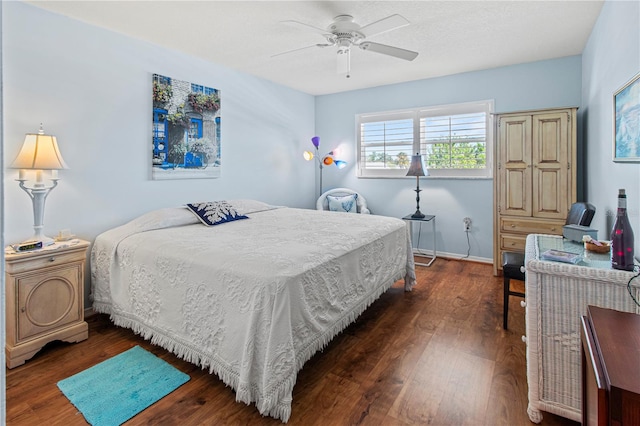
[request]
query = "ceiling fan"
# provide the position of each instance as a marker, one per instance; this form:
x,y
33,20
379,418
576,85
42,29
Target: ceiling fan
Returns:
x,y
344,33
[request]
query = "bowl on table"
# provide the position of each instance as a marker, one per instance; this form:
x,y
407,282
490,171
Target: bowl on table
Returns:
x,y
604,248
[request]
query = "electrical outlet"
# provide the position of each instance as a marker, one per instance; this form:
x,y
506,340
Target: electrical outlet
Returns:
x,y
467,224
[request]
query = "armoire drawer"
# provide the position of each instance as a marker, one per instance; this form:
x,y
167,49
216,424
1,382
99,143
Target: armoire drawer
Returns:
x,y
513,242
530,226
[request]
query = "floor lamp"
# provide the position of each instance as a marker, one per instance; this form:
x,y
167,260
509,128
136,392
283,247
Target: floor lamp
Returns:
x,y
327,160
416,169
39,152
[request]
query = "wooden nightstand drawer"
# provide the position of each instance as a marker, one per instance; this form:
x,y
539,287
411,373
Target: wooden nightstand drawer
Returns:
x,y
530,226
35,261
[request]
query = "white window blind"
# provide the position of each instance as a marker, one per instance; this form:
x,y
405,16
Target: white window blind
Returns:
x,y
455,141
386,143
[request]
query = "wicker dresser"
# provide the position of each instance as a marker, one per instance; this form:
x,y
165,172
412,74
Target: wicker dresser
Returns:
x,y
557,296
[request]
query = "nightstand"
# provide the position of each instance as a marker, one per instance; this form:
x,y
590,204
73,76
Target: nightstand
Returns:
x,y
416,250
44,298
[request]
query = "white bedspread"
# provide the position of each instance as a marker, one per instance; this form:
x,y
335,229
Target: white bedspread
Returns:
x,y
251,300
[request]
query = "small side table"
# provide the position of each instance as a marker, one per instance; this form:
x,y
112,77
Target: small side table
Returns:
x,y
44,298
416,250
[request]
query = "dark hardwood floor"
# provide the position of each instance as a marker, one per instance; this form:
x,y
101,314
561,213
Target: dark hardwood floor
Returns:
x,y
437,355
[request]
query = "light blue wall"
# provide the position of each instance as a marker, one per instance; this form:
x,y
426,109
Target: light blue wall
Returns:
x,y
92,89
610,59
545,84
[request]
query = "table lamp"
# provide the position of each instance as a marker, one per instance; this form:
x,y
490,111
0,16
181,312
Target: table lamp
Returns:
x,y
416,169
39,152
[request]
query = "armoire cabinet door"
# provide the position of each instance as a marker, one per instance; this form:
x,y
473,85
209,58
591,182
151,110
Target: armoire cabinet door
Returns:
x,y
551,165
515,165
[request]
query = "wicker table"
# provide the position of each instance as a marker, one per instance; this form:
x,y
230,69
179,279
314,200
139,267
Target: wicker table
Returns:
x,y
557,295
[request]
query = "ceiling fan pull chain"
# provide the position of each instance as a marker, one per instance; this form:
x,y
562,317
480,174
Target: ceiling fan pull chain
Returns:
x,y
348,63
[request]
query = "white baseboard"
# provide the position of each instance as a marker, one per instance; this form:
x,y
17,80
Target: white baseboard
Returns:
x,y
457,256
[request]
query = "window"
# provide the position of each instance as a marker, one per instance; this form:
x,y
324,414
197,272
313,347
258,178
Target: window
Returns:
x,y
160,79
160,146
195,129
455,141
386,143
197,88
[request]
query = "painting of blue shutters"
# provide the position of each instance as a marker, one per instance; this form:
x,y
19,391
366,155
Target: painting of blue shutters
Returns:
x,y
160,145
186,130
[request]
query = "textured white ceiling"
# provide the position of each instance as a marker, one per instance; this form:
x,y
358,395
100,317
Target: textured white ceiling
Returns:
x,y
451,36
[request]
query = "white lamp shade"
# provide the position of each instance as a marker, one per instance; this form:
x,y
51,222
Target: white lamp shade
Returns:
x,y
40,152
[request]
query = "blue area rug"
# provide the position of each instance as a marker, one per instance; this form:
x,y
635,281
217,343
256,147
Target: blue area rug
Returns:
x,y
117,389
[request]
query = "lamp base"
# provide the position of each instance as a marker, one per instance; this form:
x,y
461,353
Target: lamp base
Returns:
x,y
418,215
38,194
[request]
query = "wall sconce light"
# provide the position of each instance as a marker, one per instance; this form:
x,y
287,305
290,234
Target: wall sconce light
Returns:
x,y
39,152
327,160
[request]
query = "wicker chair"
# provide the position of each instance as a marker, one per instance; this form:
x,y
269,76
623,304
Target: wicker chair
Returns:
x,y
361,202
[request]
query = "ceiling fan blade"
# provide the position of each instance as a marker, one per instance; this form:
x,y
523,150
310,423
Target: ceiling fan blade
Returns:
x,y
307,27
408,55
301,48
385,24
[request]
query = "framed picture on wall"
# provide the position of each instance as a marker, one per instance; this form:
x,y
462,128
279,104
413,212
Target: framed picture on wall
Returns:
x,y
186,130
626,124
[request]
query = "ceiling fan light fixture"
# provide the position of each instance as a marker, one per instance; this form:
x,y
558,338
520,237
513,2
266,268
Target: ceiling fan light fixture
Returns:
x,y
343,64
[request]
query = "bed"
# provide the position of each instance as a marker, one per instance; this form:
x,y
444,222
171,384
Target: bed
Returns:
x,y
250,300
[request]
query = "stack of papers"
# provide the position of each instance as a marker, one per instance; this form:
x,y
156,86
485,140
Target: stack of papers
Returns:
x,y
560,256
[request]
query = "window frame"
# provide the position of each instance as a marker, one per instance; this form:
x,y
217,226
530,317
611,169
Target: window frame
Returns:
x,y
380,117
161,79
416,114
202,90
198,129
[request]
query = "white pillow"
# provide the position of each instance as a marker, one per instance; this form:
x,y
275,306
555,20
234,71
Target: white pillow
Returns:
x,y
248,206
164,218
347,203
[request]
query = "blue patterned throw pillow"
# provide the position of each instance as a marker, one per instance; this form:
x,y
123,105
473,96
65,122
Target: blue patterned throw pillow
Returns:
x,y
348,203
215,212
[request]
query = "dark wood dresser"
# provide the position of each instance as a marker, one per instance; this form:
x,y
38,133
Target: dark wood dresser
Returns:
x,y
610,367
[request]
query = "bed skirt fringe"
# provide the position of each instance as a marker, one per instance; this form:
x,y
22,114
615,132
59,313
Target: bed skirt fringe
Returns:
x,y
278,403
